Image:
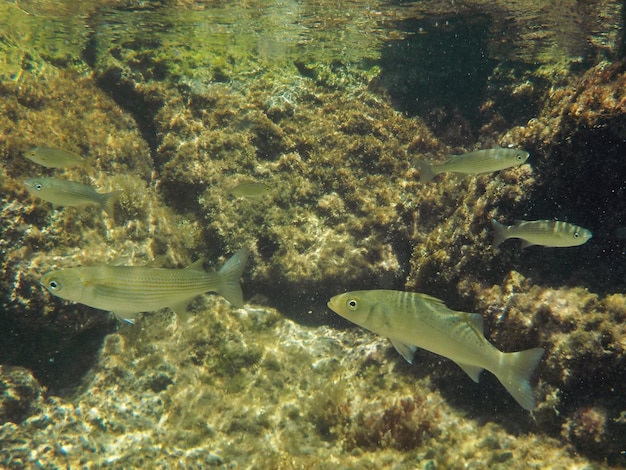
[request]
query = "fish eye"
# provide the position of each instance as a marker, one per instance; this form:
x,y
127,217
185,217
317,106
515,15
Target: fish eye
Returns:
x,y
576,234
38,186
520,157
352,304
54,285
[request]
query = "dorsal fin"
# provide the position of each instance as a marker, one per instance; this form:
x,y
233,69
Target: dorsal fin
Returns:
x,y
430,298
121,261
157,262
197,265
476,321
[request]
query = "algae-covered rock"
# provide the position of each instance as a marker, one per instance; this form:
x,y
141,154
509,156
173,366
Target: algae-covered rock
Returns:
x,y
66,110
584,360
20,394
179,110
252,388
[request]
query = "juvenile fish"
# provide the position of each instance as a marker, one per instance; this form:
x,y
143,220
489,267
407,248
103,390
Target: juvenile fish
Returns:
x,y
411,320
131,289
62,192
479,161
56,158
250,190
541,232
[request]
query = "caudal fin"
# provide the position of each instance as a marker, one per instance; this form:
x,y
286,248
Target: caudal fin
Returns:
x,y
426,171
108,200
230,273
499,232
515,373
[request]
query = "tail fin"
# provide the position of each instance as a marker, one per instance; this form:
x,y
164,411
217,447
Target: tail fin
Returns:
x,y
426,171
229,286
87,163
499,232
515,373
108,200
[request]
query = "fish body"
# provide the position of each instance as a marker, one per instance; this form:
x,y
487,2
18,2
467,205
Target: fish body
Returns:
x,y
56,158
62,192
131,289
472,163
250,190
412,320
552,233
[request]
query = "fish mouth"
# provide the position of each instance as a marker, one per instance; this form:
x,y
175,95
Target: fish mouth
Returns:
x,y
332,303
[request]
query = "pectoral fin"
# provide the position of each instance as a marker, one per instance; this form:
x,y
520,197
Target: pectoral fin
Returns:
x,y
407,351
129,321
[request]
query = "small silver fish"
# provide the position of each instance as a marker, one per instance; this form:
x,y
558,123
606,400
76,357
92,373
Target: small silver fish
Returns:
x,y
56,158
411,320
479,161
62,192
131,289
250,190
550,233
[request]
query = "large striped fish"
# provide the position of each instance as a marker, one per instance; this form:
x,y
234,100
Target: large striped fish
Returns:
x,y
412,320
131,289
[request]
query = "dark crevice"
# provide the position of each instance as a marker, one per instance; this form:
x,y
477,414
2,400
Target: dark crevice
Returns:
x,y
143,107
445,67
58,361
587,188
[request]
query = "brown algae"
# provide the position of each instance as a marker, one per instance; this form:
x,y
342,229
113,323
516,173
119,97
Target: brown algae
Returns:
x,y
281,383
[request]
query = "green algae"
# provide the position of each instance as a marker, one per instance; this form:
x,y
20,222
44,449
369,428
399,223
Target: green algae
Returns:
x,y
178,124
38,38
194,47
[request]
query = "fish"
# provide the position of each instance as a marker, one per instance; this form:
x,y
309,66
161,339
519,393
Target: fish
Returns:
x,y
250,190
62,192
125,290
473,163
552,233
412,320
56,158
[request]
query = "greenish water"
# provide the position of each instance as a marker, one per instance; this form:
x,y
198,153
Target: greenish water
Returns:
x,y
328,107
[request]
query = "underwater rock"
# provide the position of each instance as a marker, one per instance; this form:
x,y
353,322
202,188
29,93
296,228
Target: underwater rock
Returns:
x,y
252,388
20,394
503,80
585,361
588,429
44,335
174,126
